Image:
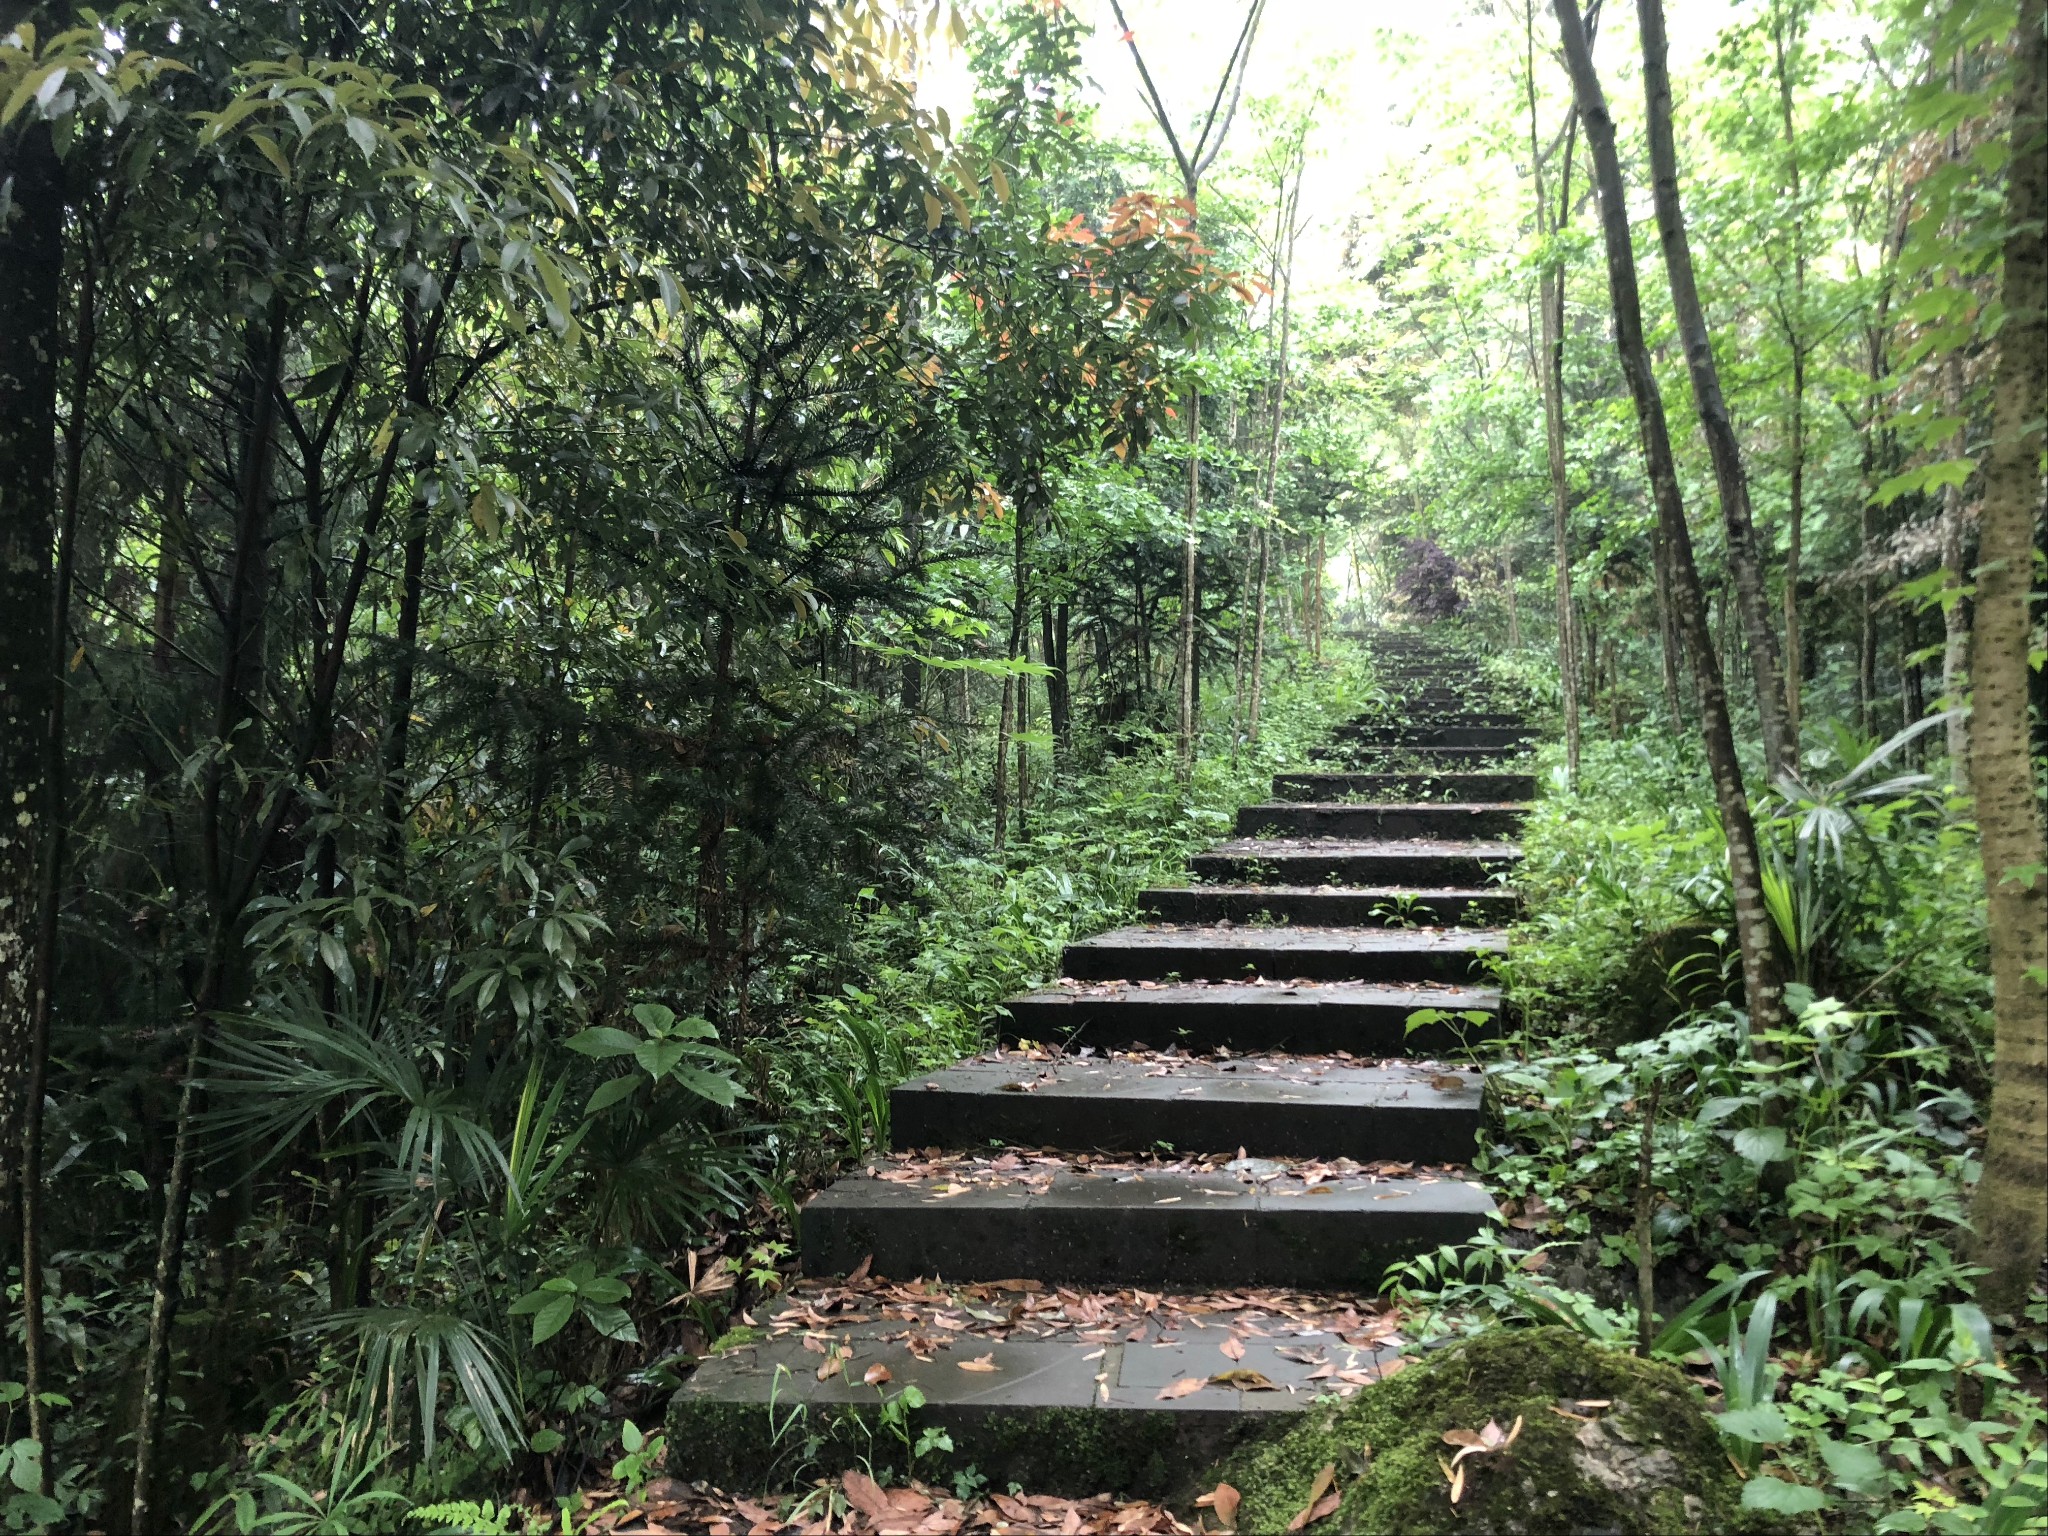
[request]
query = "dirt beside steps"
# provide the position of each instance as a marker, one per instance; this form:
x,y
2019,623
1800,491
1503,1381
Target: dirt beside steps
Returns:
x,y
1152,1220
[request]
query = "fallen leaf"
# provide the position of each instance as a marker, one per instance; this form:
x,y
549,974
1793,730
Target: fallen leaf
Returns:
x,y
866,1495
985,1362
1321,1501
1243,1380
1535,1260
1232,1347
831,1367
1224,1499
877,1375
1448,1082
860,1270
1183,1387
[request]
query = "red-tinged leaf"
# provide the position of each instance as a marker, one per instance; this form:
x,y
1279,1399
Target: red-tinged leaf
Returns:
x,y
877,1375
1013,1509
1184,1387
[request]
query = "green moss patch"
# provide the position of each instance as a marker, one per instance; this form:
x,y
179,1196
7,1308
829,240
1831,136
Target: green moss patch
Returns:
x,y
1648,1464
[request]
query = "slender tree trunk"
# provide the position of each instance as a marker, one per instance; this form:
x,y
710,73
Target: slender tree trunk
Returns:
x,y
1955,612
49,902
1259,633
1189,536
1745,562
1006,724
31,308
2008,1211
1514,617
1762,984
1550,379
1667,634
1795,340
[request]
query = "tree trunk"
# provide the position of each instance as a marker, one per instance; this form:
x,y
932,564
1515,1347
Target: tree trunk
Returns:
x,y
1794,321
1550,379
1259,634
1745,562
31,283
2008,1211
1955,613
49,898
1186,756
1762,985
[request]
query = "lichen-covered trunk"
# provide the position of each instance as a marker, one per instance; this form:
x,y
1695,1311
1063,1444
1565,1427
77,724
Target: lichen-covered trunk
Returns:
x,y
2008,1212
1745,560
1763,987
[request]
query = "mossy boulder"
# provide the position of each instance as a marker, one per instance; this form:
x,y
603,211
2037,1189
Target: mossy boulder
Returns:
x,y
1676,971
1647,1464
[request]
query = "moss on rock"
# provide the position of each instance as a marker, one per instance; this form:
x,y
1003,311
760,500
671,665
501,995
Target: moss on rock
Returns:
x,y
1651,1463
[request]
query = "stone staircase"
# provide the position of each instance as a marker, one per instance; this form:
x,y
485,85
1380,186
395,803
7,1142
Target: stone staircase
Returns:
x,y
1157,1213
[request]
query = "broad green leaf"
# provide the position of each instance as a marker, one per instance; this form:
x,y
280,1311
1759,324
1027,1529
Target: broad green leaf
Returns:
x,y
553,1317
603,1041
658,1057
1856,1467
610,1093
1760,1144
1760,1424
1781,1497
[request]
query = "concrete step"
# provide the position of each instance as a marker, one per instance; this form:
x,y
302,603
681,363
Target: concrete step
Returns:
x,y
1418,862
1451,820
1412,712
1309,1017
1330,906
1498,738
1293,1106
1185,1229
1421,759
1040,1356
1404,786
1224,952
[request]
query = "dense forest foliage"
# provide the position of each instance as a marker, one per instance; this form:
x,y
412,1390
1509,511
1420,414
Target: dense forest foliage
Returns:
x,y
585,587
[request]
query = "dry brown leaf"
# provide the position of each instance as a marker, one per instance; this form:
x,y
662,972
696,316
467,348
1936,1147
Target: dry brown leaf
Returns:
x,y
1224,1499
831,1367
1232,1347
1183,1387
866,1495
1314,1510
985,1362
860,1270
1244,1380
1448,1082
877,1374
1535,1260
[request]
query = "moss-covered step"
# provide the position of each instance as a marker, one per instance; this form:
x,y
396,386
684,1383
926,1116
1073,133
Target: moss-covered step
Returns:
x,y
1449,820
1313,1017
1070,1417
1416,863
1330,906
1183,1229
1601,1442
1404,786
1288,1107
1228,952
